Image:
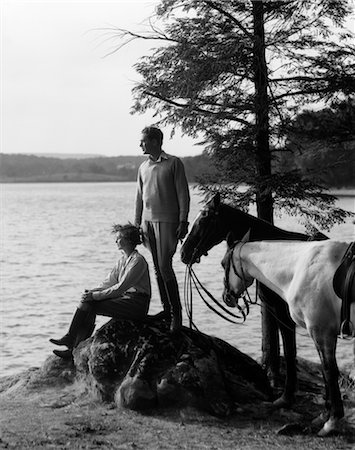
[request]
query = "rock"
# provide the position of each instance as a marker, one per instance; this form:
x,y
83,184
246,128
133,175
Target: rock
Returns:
x,y
142,365
135,393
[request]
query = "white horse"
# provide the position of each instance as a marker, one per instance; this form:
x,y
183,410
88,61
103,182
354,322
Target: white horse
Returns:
x,y
301,273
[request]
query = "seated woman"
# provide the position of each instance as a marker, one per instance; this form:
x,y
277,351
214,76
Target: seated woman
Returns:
x,y
125,294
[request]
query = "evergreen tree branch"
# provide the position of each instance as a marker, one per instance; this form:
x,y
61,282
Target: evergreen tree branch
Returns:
x,y
213,5
195,108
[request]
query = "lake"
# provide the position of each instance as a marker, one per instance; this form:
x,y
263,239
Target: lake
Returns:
x,y
56,242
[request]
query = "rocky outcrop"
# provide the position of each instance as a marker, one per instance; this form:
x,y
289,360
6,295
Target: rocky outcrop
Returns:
x,y
141,366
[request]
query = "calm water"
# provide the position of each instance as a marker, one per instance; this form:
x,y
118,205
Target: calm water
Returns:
x,y
56,241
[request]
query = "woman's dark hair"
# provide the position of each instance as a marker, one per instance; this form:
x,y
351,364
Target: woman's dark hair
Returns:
x,y
153,133
129,231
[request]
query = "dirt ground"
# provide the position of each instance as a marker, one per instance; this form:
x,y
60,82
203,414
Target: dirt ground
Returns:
x,y
58,417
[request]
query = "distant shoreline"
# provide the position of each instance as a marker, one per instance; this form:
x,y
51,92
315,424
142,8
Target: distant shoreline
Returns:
x,y
90,178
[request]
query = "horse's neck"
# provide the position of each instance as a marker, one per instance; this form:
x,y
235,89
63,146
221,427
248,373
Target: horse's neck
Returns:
x,y
240,222
271,264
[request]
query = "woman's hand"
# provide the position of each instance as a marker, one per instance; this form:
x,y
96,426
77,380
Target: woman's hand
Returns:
x,y
87,296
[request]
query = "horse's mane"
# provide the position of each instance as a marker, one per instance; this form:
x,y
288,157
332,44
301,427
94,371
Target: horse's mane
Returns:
x,y
261,229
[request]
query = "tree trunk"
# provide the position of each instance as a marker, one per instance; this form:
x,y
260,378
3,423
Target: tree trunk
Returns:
x,y
264,201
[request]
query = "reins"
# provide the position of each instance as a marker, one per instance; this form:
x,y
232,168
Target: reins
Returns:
x,y
210,232
191,279
242,277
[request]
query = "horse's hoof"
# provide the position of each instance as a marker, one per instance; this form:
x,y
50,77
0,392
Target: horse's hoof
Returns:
x,y
329,427
282,402
320,420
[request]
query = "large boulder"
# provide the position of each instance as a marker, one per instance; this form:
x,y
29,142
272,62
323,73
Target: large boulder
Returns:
x,y
142,365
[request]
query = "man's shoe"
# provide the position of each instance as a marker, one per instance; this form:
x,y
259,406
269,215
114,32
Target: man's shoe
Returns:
x,y
64,354
159,316
175,305
66,340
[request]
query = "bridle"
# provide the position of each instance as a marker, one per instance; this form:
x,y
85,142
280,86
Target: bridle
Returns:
x,y
198,252
192,279
231,298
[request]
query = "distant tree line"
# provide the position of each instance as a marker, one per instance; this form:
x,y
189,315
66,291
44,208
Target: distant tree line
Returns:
x,y
26,168
336,161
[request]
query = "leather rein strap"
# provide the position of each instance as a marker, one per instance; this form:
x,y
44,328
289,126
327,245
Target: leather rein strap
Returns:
x,y
192,279
230,262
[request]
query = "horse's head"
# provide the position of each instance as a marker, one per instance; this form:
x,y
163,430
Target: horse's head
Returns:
x,y
236,279
205,232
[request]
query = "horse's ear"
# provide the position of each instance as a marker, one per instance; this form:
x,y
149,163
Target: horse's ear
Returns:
x,y
230,239
246,237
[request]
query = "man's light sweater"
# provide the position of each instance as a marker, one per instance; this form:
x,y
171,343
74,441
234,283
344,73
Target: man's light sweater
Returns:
x,y
162,191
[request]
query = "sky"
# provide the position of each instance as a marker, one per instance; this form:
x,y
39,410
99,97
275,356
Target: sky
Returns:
x,y
60,94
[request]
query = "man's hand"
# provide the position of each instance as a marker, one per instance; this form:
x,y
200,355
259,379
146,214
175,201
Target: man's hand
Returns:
x,y
141,234
182,229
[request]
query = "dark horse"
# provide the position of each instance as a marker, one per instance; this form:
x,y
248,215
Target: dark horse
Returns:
x,y
211,227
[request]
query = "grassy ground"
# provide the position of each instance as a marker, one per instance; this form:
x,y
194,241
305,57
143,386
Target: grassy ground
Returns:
x,y
58,417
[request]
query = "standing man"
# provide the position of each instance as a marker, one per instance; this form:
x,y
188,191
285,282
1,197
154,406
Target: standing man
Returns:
x,y
161,210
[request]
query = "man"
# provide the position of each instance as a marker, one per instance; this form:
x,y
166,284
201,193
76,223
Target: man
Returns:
x,y
161,210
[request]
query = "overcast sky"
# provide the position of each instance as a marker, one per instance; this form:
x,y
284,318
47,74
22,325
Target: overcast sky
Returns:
x,y
59,94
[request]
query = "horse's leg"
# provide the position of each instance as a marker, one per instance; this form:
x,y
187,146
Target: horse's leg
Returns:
x,y
288,333
326,346
270,334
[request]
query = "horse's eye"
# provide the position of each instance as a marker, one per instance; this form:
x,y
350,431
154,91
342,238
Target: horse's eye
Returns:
x,y
205,214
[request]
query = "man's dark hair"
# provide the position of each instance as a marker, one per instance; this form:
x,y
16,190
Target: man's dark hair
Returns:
x,y
129,231
153,133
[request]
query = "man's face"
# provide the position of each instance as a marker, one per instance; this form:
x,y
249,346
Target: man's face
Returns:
x,y
149,146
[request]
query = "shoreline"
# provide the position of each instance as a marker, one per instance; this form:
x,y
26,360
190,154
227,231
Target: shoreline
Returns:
x,y
90,178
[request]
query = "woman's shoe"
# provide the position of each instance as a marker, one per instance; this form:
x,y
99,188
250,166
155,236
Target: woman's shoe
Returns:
x,y
78,320
65,340
64,354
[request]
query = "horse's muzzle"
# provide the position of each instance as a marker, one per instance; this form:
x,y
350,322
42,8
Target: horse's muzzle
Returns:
x,y
230,299
189,258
